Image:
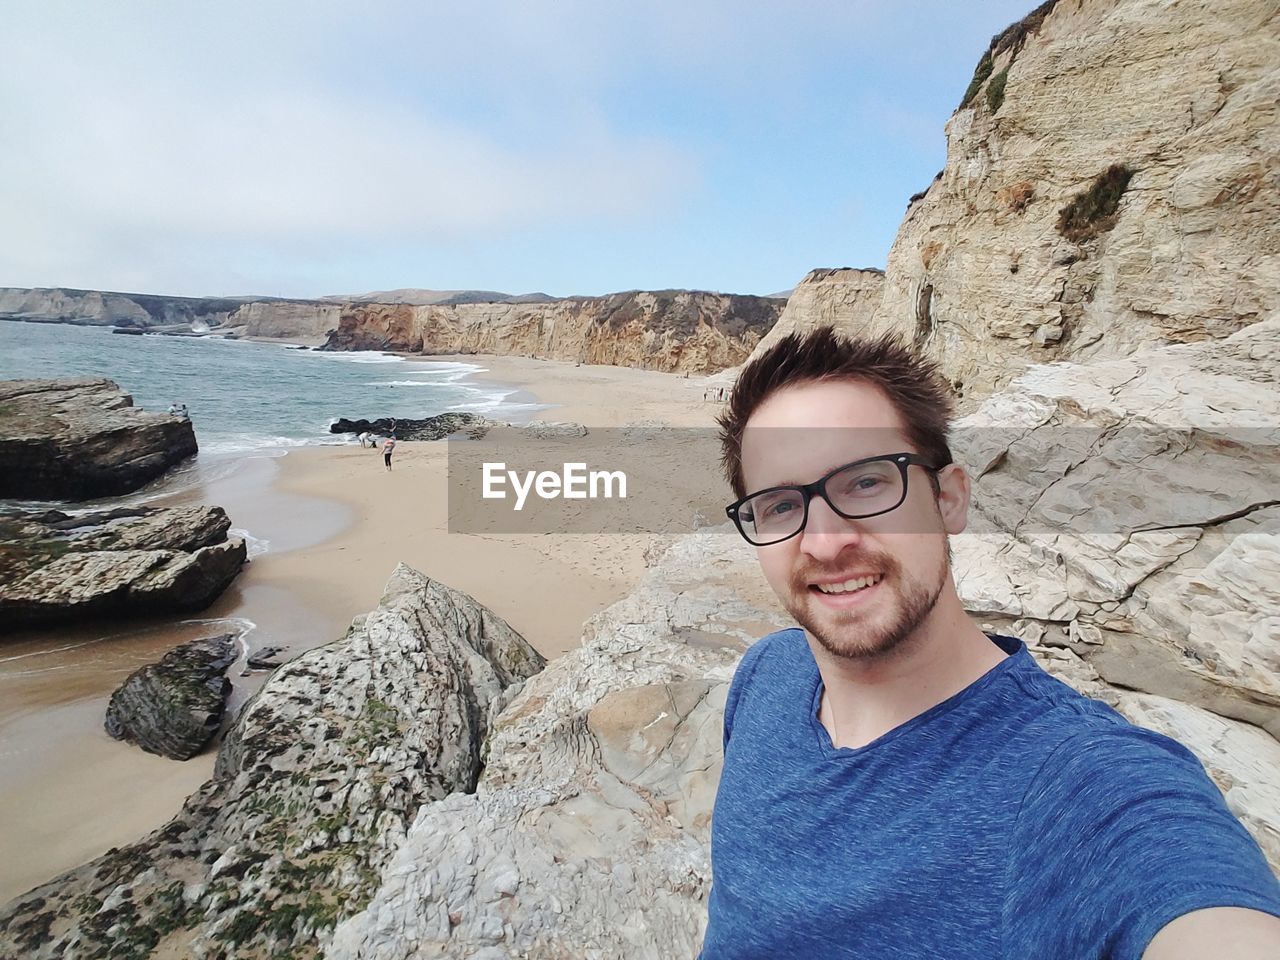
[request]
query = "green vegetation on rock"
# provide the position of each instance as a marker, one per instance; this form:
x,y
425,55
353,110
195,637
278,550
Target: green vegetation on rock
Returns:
x,y
980,75
1094,210
995,89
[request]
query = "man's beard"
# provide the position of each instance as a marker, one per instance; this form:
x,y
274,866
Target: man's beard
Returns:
x,y
860,637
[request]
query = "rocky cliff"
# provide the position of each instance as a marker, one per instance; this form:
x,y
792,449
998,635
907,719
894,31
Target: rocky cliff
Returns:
x,y
284,319
1109,183
845,297
685,331
233,316
675,330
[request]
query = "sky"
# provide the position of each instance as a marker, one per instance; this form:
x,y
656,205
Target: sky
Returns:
x,y
572,147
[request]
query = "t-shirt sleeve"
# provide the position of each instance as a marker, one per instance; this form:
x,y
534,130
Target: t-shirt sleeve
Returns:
x,y
741,678
1120,832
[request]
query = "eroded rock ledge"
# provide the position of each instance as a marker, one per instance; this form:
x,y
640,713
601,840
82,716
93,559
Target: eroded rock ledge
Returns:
x,y
56,568
79,439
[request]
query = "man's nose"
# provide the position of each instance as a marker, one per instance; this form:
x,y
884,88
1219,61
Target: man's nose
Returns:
x,y
826,533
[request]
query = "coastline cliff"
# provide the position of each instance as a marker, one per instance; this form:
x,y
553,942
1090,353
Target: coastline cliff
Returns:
x,y
675,331
1109,184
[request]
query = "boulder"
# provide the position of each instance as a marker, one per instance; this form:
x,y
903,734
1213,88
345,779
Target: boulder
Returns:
x,y
57,569
314,787
79,439
174,707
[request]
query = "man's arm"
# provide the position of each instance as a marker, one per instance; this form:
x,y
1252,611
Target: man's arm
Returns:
x,y
1218,932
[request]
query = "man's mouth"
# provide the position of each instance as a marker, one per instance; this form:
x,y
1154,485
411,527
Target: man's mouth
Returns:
x,y
848,586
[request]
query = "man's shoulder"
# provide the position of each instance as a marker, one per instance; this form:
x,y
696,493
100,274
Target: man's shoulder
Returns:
x,y
782,647
1082,746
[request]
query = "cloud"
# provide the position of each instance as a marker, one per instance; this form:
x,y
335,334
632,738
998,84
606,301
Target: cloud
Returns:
x,y
125,130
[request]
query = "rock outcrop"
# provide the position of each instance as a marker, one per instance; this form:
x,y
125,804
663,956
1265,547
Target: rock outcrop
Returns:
x,y
314,788
174,707
78,439
1109,183
431,428
844,297
57,569
679,330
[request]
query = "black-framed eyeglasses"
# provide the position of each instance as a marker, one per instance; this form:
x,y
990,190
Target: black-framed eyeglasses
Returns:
x,y
864,488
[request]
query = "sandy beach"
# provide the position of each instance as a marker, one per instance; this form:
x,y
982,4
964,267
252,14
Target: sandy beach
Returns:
x,y
336,524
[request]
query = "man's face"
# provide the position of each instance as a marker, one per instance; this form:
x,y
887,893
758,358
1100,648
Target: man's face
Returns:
x,y
797,436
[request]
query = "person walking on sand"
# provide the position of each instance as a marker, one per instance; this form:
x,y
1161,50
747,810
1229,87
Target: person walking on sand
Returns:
x,y
387,449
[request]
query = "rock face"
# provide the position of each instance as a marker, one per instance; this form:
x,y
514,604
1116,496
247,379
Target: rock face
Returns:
x,y
174,707
56,569
845,297
143,311
285,319
77,439
314,788
1025,249
1142,493
431,428
588,834
685,331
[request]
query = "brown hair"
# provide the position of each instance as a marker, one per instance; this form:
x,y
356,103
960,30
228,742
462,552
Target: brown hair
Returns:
x,y
912,383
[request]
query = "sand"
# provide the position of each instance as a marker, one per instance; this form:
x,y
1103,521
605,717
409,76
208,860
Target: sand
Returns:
x,y
337,524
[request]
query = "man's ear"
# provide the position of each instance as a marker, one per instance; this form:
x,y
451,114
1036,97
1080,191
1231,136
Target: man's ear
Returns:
x,y
953,497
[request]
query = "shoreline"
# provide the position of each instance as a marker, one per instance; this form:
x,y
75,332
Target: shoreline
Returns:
x,y
337,524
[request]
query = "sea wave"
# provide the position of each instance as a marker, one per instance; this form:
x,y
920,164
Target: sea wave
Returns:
x,y
254,546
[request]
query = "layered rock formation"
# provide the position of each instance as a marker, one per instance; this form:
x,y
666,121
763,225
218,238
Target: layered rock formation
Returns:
x,y
78,439
174,707
1028,247
688,331
845,297
429,428
284,319
56,568
314,789
234,316
684,331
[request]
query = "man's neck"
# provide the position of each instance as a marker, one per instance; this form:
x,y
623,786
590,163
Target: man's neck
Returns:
x,y
865,699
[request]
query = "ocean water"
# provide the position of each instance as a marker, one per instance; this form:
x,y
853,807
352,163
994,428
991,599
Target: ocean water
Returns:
x,y
249,396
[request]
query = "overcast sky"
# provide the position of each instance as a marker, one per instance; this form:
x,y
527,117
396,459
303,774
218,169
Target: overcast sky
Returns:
x,y
565,146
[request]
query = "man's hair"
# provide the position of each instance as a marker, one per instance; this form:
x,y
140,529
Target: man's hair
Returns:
x,y
912,383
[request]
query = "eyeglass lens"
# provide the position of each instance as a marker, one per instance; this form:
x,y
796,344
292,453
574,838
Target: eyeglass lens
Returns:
x,y
857,491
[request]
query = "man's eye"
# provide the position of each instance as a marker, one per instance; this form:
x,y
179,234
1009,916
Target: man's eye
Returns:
x,y
864,483
776,509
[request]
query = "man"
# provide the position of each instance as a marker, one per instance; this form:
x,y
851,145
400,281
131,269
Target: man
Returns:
x,y
898,784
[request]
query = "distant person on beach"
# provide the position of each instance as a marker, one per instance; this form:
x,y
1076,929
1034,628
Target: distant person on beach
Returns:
x,y
173,409
387,448
898,783
182,409
363,438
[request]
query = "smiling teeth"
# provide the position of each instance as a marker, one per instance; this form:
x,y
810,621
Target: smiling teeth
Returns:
x,y
849,585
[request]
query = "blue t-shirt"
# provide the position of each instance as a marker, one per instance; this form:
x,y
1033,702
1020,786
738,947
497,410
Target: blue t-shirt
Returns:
x,y
1016,819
